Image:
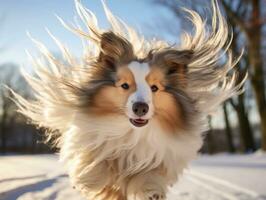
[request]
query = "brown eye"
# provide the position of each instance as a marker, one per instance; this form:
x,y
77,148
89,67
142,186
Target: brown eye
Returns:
x,y
125,86
154,88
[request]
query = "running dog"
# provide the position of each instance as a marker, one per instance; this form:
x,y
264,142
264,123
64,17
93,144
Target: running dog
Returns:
x,y
129,114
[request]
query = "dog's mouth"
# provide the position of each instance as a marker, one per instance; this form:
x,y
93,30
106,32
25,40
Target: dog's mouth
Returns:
x,y
139,122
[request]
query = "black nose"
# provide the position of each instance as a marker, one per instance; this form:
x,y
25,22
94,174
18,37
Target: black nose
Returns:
x,y
140,108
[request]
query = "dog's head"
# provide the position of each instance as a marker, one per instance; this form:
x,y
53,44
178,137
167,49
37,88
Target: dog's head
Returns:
x,y
143,89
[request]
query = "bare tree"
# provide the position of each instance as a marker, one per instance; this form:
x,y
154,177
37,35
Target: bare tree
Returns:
x,y
238,103
246,14
228,130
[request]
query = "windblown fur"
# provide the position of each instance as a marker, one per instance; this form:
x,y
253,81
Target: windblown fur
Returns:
x,y
106,158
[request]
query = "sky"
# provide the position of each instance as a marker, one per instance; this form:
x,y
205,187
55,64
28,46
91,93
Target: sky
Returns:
x,y
21,16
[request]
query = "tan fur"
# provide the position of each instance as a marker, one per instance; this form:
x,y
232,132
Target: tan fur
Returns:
x,y
124,75
156,77
108,100
167,111
112,99
110,193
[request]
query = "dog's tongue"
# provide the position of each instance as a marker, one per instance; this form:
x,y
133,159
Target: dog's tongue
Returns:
x,y
140,120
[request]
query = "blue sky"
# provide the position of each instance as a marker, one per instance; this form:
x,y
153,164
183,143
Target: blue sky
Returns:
x,y
20,16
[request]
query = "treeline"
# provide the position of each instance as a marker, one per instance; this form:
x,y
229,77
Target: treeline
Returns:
x,y
16,135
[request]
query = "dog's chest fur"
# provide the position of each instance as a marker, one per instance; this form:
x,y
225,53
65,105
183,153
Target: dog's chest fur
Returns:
x,y
108,142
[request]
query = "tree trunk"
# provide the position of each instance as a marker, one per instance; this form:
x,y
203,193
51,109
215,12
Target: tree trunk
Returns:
x,y
228,130
209,137
260,99
33,142
258,84
244,126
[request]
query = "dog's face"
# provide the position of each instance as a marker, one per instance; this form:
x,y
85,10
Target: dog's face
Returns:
x,y
152,88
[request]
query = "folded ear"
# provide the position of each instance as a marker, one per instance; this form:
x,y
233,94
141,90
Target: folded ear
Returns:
x,y
173,63
114,50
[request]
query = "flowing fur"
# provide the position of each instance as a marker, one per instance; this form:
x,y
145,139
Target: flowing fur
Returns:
x,y
106,158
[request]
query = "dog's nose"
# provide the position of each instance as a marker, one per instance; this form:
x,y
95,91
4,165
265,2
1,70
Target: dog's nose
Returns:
x,y
140,108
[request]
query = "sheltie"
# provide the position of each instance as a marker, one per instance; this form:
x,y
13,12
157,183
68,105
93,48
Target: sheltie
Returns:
x,y
129,114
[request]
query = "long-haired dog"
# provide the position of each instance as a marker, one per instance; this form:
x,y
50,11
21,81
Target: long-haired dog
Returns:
x,y
128,116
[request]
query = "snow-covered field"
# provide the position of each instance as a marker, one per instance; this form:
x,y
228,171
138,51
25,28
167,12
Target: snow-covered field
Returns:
x,y
220,177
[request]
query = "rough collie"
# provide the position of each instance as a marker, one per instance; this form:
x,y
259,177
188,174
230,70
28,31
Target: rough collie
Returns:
x,y
129,114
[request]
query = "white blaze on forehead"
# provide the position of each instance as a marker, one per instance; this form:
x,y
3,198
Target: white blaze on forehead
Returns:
x,y
140,71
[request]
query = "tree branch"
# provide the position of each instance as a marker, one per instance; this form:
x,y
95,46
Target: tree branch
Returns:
x,y
235,18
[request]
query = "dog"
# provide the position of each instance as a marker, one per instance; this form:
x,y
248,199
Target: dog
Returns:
x,y
128,115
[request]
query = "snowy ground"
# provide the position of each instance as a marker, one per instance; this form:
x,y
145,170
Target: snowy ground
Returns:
x,y
220,177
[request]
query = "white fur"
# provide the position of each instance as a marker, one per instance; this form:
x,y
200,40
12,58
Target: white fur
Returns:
x,y
143,91
136,151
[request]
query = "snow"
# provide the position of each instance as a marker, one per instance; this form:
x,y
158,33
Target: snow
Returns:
x,y
219,177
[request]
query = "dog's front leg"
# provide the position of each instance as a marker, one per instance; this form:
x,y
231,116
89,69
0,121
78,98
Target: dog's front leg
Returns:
x,y
149,186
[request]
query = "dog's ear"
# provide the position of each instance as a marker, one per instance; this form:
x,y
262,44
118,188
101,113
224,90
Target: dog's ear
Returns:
x,y
114,50
173,63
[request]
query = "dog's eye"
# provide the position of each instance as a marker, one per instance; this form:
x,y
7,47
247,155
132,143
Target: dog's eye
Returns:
x,y
125,86
154,88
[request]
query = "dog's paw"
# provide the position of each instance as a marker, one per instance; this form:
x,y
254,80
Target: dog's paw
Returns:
x,y
155,196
